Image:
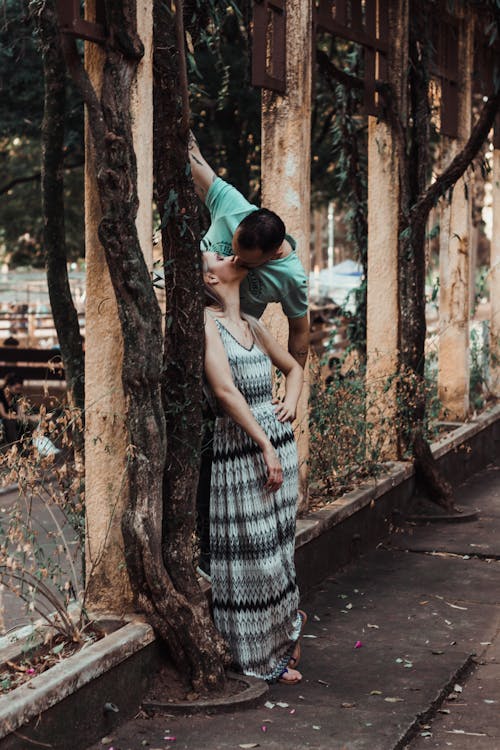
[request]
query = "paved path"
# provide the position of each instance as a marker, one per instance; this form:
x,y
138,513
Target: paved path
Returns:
x,y
426,608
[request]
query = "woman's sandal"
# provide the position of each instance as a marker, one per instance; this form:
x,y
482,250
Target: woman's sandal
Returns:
x,y
295,658
291,681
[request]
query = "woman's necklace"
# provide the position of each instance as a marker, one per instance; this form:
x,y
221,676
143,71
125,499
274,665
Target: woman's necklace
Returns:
x,y
240,330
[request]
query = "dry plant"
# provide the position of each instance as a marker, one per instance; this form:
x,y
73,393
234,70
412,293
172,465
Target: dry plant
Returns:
x,y
347,423
42,531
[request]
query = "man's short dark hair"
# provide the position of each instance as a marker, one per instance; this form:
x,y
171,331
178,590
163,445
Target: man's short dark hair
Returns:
x,y
263,230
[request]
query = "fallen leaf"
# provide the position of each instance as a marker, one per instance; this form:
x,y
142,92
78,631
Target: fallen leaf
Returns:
x,y
444,711
315,726
462,731
249,745
437,653
268,704
426,734
347,705
322,682
375,692
315,617
455,606
457,688
369,625
486,700
348,606
107,740
309,636
393,700
282,705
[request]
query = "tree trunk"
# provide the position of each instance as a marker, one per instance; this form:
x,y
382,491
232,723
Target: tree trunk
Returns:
x,y
54,240
184,328
180,622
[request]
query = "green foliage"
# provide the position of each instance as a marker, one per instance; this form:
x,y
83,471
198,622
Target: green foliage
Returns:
x,y
225,106
340,163
479,392
22,92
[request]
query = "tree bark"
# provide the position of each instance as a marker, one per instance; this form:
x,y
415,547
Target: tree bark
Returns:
x,y
54,238
180,622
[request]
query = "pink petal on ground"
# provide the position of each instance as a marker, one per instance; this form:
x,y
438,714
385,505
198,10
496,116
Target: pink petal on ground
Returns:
x,y
358,644
264,728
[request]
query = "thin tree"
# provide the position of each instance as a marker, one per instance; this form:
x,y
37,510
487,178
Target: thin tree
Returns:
x,y
52,182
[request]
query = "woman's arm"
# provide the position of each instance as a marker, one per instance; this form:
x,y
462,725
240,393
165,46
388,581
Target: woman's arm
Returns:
x,y
219,376
294,374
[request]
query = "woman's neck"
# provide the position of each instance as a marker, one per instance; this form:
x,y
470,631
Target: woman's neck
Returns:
x,y
231,299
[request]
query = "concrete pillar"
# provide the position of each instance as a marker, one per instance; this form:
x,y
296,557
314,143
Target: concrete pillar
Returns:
x,y
454,256
105,408
286,167
382,296
495,279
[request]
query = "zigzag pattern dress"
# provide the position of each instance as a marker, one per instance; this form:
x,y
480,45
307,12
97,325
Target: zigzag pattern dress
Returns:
x,y
252,531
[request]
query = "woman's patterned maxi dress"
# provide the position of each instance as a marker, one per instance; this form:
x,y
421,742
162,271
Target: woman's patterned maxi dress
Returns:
x,y
252,531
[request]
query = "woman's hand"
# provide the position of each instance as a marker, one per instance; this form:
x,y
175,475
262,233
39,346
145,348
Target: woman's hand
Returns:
x,y
284,410
274,470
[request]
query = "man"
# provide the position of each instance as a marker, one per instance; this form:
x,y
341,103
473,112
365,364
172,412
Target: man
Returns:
x,y
257,239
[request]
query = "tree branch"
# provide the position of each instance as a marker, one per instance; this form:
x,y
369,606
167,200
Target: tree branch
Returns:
x,y
461,161
340,76
34,177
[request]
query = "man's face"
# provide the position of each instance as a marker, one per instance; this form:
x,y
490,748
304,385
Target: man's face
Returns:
x,y
248,258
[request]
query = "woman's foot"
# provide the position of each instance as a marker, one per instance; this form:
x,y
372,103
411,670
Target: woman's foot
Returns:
x,y
295,657
290,677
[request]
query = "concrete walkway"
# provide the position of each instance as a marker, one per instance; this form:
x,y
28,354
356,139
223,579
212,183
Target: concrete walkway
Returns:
x,y
401,651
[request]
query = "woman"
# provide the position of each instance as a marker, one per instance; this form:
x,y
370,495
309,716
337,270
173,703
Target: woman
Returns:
x,y
254,483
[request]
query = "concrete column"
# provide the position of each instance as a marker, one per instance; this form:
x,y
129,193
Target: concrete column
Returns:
x,y
286,167
382,295
105,408
495,279
454,257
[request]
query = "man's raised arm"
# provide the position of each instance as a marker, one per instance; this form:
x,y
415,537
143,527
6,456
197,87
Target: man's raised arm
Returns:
x,y
203,174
